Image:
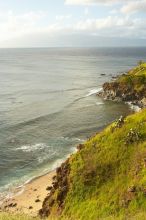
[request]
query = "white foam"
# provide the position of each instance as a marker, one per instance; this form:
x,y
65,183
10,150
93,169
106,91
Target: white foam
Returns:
x,y
33,147
13,189
58,162
17,188
20,191
93,91
80,140
41,159
135,108
90,105
99,103
72,139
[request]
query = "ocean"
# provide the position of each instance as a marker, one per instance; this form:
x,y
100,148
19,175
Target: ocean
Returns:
x,y
48,105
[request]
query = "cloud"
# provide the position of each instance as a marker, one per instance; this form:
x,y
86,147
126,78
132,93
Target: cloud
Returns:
x,y
104,23
91,2
86,11
63,17
113,26
12,25
135,6
30,29
114,11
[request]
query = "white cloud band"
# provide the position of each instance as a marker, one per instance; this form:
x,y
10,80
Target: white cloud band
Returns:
x,y
91,2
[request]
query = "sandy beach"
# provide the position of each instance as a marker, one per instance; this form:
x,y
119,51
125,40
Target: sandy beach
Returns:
x,y
31,199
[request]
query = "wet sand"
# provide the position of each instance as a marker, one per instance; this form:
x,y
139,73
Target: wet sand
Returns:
x,y
31,199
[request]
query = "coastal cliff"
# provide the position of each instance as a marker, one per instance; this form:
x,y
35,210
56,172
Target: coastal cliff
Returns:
x,y
106,178
130,87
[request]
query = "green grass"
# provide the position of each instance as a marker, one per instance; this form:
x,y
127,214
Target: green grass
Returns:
x,y
135,79
103,172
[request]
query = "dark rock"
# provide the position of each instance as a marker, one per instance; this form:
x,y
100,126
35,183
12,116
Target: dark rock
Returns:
x,y
58,170
52,191
30,207
61,194
58,192
51,202
55,185
12,205
132,189
54,178
80,147
117,91
49,188
64,181
37,200
44,212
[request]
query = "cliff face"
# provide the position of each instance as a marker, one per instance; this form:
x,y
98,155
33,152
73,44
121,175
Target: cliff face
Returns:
x,y
128,87
58,192
106,178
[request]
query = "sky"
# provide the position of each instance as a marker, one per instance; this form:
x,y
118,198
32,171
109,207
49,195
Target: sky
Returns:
x,y
72,23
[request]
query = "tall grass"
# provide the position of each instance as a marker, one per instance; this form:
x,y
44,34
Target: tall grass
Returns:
x,y
104,170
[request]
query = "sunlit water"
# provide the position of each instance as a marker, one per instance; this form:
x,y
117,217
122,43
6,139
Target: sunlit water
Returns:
x,y
48,105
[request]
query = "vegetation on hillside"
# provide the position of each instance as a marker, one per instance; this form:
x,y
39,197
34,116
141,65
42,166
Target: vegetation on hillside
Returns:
x,y
130,87
107,176
135,79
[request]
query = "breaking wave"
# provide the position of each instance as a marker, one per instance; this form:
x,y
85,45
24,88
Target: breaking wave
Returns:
x,y
93,91
33,147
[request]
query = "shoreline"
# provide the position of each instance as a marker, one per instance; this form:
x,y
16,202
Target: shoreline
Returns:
x,y
120,90
36,187
32,193
135,107
29,200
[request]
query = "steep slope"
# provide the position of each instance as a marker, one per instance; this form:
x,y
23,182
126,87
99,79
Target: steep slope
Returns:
x,y
106,178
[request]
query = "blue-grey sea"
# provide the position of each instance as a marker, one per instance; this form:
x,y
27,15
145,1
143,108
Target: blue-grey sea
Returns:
x,y
48,105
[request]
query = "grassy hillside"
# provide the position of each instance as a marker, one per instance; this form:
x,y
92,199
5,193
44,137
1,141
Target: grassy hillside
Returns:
x,y
135,79
106,178
128,87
